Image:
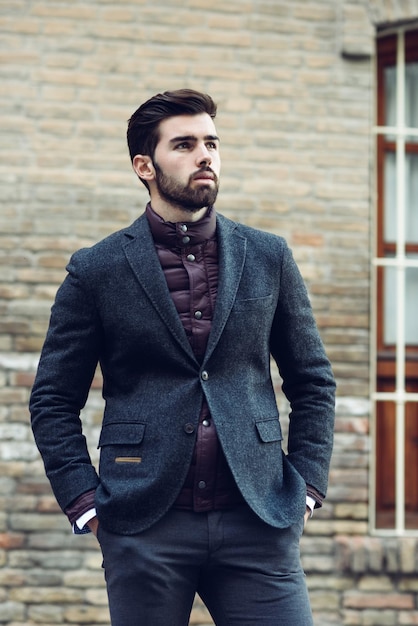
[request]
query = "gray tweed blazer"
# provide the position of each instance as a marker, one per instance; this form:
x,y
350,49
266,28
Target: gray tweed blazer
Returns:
x,y
114,308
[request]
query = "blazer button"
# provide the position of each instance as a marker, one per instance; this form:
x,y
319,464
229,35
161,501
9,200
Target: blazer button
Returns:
x,y
189,428
204,375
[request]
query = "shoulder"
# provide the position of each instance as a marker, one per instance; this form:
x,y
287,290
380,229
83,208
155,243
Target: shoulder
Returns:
x,y
107,251
255,237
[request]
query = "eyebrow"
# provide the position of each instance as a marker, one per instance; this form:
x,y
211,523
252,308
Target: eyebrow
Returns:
x,y
193,138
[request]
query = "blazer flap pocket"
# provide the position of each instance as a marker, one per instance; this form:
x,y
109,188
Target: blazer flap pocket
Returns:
x,y
269,430
121,433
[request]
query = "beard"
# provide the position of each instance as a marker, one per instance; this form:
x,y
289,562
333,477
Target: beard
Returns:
x,y
185,197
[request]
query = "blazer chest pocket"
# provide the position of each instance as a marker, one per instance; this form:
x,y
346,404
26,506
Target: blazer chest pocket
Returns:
x,y
269,430
253,304
120,442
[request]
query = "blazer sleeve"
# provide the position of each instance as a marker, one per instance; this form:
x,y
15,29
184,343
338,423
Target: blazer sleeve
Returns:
x,y
308,381
66,368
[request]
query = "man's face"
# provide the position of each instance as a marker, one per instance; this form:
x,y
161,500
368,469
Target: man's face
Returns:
x,y
187,162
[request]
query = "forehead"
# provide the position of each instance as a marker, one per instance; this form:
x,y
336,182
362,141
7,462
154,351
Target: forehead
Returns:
x,y
199,126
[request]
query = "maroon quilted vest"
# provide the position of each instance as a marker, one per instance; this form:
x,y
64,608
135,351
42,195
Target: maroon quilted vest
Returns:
x,y
188,254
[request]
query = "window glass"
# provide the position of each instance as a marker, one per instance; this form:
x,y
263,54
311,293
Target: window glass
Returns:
x,y
411,98
390,99
411,306
410,327
391,220
411,197
390,197
389,282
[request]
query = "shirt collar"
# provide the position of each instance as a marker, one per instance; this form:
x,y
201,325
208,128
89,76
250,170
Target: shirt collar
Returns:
x,y
181,234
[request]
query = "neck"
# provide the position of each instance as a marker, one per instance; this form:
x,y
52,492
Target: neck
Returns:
x,y
172,213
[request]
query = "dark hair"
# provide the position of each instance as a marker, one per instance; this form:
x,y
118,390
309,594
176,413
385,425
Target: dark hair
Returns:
x,y
143,126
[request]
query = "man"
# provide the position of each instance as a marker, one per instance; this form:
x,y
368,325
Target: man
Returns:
x,y
182,310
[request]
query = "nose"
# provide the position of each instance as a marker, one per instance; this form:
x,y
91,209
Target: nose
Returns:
x,y
204,158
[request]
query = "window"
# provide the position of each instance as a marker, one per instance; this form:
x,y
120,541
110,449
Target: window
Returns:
x,y
395,392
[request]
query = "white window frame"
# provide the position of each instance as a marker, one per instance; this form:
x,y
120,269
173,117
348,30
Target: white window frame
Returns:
x,y
400,262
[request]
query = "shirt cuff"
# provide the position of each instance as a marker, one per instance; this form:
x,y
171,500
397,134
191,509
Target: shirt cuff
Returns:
x,y
80,526
310,503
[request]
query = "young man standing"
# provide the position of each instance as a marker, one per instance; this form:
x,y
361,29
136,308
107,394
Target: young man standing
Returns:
x,y
183,310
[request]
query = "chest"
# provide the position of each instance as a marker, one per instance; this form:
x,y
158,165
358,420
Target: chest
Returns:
x,y
192,279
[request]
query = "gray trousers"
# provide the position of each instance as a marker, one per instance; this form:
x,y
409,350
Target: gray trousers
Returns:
x,y
246,572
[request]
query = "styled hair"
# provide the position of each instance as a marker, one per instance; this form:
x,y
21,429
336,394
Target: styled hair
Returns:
x,y
143,127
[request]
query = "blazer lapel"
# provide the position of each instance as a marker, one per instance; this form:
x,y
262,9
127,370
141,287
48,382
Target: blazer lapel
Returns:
x,y
231,252
143,259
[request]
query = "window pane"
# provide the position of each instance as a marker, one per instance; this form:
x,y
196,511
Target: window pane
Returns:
x,y
411,197
411,306
391,213
390,99
391,275
390,96
389,208
389,323
411,98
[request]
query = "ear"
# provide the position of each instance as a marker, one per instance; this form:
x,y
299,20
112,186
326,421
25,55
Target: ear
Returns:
x,y
143,167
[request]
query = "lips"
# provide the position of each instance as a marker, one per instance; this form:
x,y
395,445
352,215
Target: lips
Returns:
x,y
204,176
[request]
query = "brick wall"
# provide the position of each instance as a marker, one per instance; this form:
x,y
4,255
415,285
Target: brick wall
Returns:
x,y
294,83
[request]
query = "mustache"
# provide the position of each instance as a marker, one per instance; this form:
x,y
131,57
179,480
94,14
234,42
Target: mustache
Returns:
x,y
204,170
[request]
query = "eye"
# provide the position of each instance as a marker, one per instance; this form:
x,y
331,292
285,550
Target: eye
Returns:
x,y
184,145
212,145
